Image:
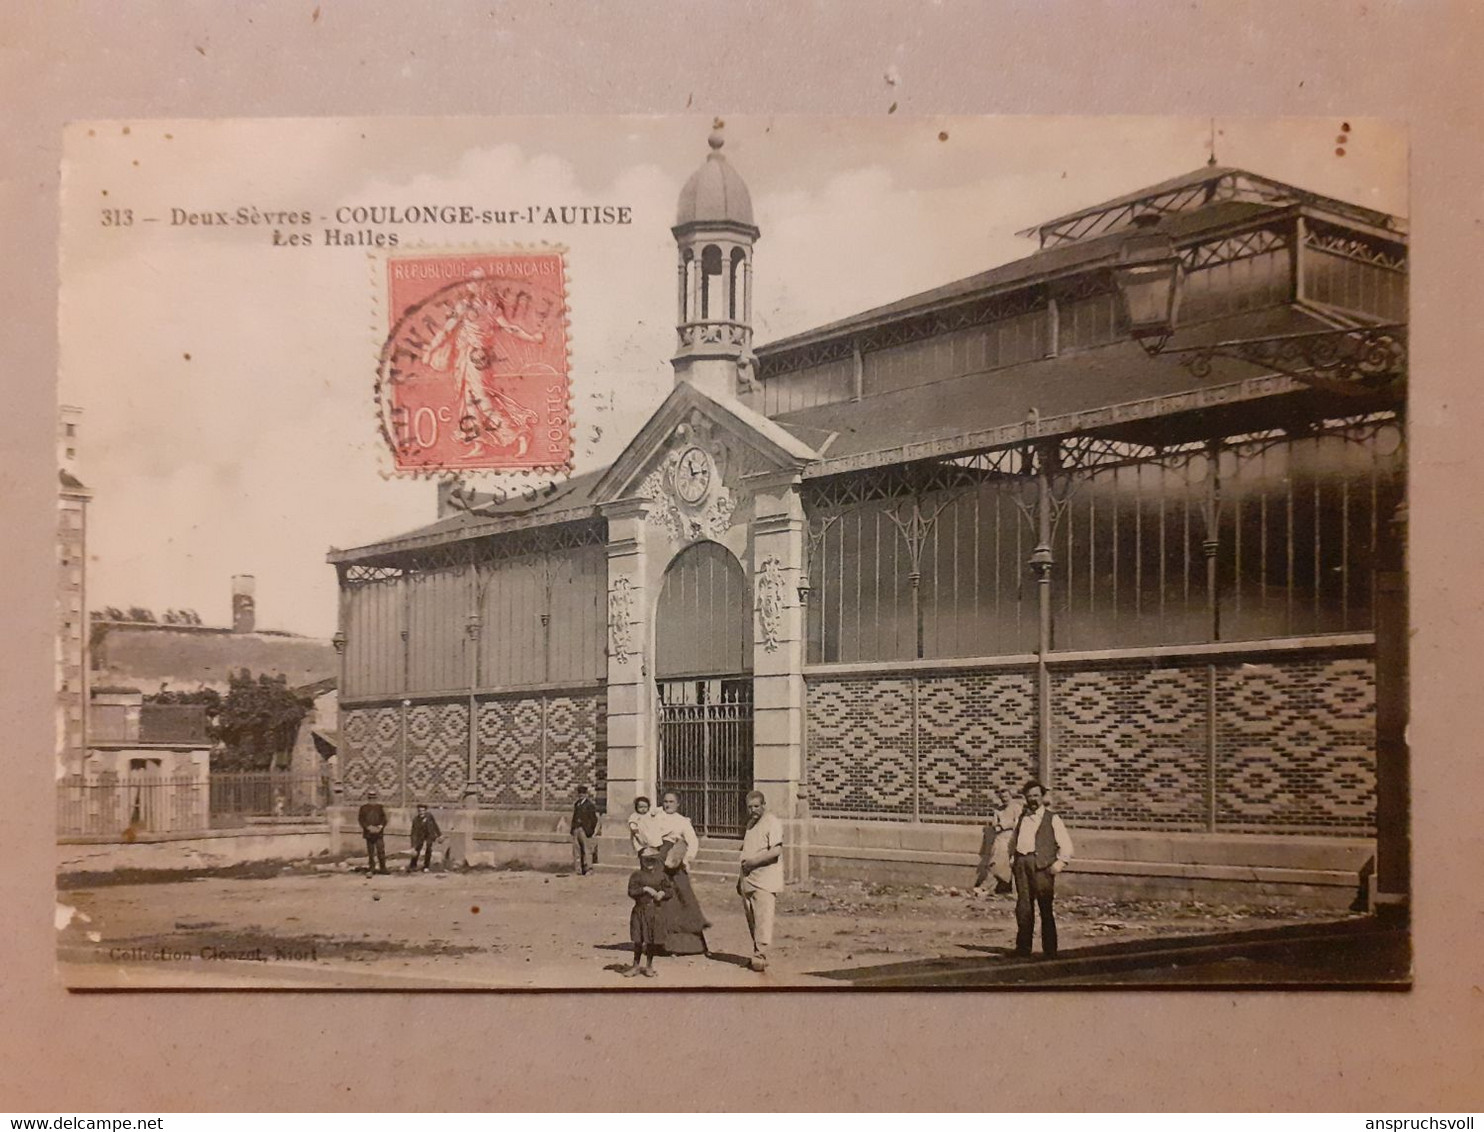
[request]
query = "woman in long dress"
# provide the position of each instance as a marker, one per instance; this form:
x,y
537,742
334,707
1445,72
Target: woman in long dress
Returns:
x,y
682,923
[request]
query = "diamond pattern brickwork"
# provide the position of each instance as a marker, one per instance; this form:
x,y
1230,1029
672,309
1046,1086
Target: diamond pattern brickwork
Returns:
x,y
516,769
1130,748
972,742
571,746
860,747
372,752
508,766
976,742
1295,745
437,752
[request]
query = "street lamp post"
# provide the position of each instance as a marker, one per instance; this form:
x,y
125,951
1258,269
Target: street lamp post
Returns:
x,y
1367,362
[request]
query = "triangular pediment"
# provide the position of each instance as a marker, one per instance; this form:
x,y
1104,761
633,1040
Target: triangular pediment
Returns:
x,y
742,441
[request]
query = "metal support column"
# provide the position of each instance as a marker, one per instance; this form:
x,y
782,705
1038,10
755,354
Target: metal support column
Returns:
x,y
1211,543
473,627
1041,562
1211,735
1393,879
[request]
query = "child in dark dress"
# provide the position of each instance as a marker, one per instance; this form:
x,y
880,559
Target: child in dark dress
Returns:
x,y
648,887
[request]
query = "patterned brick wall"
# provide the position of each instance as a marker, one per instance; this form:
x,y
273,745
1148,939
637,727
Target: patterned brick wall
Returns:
x,y
970,738
437,751
532,751
372,751
976,741
1296,745
860,747
1130,746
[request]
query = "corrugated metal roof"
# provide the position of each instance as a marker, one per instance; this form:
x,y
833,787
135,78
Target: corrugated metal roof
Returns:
x,y
1072,383
569,500
1048,264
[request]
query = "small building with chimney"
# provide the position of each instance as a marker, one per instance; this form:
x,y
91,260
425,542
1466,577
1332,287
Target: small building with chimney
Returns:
x,y
889,569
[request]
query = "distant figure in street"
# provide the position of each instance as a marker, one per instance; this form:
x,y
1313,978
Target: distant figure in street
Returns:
x,y
584,829
425,831
649,888
994,850
1042,848
641,828
683,925
373,826
761,879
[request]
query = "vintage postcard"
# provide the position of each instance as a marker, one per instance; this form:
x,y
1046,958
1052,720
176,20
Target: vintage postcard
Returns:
x,y
657,552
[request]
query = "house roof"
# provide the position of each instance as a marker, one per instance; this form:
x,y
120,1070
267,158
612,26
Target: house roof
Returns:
x,y
148,655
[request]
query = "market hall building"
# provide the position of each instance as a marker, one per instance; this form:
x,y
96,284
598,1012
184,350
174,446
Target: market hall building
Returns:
x,y
887,570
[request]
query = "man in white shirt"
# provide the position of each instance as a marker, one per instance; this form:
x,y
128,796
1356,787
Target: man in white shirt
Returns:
x,y
762,875
1041,848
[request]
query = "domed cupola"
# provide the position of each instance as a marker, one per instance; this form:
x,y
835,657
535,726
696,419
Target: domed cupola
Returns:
x,y
714,234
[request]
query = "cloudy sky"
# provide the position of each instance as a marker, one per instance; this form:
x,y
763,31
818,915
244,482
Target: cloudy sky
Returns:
x,y
229,423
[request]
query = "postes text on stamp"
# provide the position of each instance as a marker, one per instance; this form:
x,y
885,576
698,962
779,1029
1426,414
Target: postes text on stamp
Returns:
x,y
474,373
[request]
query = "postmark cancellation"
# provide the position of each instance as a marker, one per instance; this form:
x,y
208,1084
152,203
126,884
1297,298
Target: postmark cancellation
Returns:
x,y
474,373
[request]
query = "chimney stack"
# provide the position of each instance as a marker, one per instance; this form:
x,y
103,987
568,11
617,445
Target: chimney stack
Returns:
x,y
244,605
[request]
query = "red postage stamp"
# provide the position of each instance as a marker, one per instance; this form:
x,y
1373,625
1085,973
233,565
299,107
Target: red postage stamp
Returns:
x,y
474,373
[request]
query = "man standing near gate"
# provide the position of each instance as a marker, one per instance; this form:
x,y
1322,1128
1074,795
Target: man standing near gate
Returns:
x,y
584,827
762,875
1042,848
372,817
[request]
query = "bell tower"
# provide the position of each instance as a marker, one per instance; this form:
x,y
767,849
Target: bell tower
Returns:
x,y
714,234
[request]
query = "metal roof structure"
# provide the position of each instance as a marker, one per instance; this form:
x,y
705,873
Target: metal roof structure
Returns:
x,y
1198,190
1111,388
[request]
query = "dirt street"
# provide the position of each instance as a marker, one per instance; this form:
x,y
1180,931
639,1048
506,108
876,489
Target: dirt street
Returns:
x,y
320,923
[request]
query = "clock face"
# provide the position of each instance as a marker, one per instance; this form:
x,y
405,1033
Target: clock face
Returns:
x,y
693,475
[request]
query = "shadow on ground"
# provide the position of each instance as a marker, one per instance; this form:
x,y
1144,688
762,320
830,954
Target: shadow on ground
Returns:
x,y
1350,953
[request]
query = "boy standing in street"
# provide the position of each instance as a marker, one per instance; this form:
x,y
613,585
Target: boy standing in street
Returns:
x,y
425,831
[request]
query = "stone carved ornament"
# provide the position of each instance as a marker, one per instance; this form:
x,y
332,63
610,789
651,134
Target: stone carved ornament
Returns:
x,y
690,500
770,598
620,618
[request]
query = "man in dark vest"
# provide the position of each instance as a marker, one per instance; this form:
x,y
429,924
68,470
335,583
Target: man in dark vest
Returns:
x,y
373,826
425,831
1041,848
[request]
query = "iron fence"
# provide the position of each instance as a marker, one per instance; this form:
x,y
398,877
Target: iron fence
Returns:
x,y
113,805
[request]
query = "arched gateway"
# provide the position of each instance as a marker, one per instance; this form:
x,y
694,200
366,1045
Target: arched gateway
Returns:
x,y
703,668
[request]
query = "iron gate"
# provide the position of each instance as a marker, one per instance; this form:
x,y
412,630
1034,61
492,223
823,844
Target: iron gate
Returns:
x,y
706,750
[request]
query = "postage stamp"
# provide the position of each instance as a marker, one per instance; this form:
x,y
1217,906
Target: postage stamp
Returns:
x,y
474,372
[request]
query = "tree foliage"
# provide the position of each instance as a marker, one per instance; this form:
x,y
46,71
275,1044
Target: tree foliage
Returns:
x,y
259,721
256,722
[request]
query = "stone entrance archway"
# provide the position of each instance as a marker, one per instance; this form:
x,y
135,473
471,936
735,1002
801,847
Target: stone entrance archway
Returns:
x,y
703,673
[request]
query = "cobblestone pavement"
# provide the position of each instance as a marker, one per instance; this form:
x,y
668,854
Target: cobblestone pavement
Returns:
x,y
322,923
